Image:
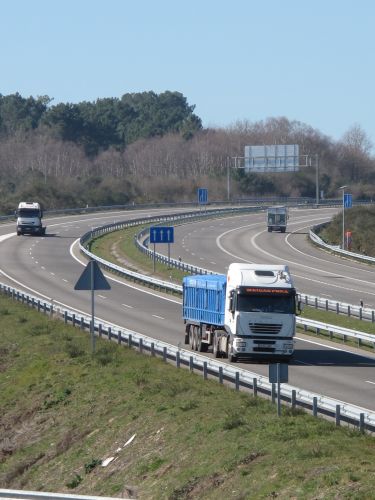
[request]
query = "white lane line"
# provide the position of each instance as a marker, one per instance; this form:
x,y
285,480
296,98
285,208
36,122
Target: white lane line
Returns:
x,y
127,305
53,274
66,281
102,296
156,316
369,382
42,267
214,263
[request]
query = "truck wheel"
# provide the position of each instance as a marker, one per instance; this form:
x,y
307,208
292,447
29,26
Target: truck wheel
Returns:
x,y
191,338
283,229
232,358
186,340
215,347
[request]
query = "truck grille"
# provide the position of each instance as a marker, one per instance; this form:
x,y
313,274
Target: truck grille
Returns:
x,y
265,328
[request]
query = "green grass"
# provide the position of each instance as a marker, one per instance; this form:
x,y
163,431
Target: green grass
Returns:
x,y
64,411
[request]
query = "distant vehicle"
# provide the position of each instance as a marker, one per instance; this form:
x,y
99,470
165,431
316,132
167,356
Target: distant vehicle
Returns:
x,y
277,218
29,218
248,313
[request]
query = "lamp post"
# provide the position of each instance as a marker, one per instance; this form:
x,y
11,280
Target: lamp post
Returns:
x,y
343,216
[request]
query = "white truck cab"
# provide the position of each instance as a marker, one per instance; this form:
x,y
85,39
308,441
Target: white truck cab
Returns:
x,y
29,218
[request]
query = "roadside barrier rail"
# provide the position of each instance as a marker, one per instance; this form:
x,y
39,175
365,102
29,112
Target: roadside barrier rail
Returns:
x,y
241,379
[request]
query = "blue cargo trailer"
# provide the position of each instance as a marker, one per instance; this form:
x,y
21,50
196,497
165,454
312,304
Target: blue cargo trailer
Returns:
x,y
204,298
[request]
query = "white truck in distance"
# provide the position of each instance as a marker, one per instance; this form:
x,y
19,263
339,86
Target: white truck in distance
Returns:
x,y
29,219
277,218
249,313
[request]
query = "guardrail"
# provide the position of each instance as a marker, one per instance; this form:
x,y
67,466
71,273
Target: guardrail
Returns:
x,y
241,379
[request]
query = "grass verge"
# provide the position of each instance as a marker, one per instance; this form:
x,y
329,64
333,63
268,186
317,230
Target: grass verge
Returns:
x,y
63,412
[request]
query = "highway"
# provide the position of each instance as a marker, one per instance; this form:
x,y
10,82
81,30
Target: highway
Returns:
x,y
50,266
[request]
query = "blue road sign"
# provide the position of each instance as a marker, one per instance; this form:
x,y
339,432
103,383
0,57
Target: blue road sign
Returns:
x,y
347,200
202,196
160,234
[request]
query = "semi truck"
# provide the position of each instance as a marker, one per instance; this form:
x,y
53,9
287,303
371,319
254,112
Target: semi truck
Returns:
x,y
277,218
250,313
29,218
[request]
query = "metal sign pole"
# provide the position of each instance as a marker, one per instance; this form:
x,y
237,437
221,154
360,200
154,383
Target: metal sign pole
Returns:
x,y
154,259
92,327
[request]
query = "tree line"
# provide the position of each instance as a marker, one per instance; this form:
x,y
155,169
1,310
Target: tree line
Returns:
x,y
148,147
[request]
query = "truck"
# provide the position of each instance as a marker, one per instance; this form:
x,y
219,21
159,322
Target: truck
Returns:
x,y
249,313
29,218
277,218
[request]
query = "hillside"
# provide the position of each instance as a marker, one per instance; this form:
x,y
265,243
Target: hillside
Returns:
x,y
64,412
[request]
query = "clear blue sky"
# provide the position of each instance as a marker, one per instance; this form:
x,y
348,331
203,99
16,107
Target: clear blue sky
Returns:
x,y
308,60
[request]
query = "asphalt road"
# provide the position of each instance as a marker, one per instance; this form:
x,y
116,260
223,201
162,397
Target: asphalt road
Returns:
x,y
48,266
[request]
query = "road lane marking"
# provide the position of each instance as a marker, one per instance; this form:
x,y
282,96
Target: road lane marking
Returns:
x,y
127,305
156,316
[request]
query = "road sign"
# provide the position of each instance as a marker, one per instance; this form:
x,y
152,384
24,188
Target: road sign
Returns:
x,y
347,200
160,234
92,278
202,196
278,372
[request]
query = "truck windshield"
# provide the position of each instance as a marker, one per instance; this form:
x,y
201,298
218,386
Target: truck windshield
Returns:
x,y
269,304
28,212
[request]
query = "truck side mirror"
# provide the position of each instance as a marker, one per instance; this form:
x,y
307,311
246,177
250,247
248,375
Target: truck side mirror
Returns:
x,y
231,301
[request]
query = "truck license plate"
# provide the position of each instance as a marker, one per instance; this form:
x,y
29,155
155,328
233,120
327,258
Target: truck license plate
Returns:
x,y
264,345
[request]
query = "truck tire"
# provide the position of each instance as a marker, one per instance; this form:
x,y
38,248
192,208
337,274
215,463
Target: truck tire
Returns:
x,y
270,229
186,340
283,229
215,347
191,337
232,358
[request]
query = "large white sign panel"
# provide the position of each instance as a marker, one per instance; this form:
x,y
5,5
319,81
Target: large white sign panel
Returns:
x,y
272,158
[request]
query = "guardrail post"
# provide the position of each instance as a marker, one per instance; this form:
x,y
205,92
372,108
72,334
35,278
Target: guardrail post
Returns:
x,y
38,305
140,345
109,333
65,317
360,312
191,363
178,359
316,303
152,349
100,330
362,422
349,311
337,308
82,326
164,354
220,374
337,416
315,406
294,398
237,381
326,305
130,340
73,319
255,386
372,316
119,337
205,372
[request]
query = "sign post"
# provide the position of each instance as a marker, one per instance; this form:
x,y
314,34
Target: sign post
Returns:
x,y
278,373
92,279
160,234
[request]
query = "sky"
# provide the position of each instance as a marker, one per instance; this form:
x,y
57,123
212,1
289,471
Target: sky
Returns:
x,y
308,60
